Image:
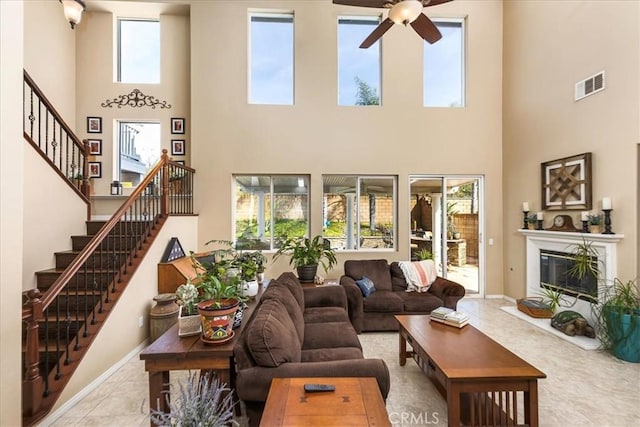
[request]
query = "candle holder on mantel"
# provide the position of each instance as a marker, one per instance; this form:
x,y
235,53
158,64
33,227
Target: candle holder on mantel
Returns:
x,y
585,226
607,221
539,225
525,224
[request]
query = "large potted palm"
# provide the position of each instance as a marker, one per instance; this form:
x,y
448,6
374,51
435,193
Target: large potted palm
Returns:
x,y
306,254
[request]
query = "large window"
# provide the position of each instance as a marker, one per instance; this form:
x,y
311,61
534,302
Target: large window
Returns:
x,y
444,67
359,211
138,51
271,59
358,69
270,209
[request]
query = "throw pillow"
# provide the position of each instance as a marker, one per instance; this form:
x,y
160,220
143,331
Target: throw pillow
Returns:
x,y
366,286
272,337
419,274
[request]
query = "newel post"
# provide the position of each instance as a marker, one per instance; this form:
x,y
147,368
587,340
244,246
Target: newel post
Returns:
x,y
32,384
164,203
85,169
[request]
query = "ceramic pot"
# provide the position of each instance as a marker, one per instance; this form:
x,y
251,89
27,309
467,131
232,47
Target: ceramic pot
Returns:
x,y
217,320
163,315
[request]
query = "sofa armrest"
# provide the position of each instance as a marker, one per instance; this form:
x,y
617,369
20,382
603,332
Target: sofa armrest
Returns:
x,y
253,384
448,291
354,302
325,296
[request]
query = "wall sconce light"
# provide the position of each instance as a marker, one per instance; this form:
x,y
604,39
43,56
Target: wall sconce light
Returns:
x,y
73,11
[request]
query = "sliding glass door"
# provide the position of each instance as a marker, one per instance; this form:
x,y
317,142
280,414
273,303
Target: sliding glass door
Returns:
x,y
446,225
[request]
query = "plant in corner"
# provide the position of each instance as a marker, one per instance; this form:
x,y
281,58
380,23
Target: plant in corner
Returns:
x,y
306,254
618,319
201,402
424,254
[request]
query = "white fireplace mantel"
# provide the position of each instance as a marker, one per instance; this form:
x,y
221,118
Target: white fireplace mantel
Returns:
x,y
604,244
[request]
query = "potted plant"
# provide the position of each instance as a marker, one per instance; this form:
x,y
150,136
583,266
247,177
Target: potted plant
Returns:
x,y
200,402
618,319
594,223
306,254
424,254
188,317
532,221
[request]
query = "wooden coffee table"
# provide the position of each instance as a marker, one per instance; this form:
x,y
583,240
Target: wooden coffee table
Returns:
x,y
483,382
355,402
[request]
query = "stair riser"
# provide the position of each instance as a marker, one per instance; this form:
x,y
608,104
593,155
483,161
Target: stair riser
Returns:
x,y
81,281
102,261
111,243
125,228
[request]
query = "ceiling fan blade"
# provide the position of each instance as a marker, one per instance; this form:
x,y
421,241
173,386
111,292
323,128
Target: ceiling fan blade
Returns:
x,y
377,33
434,2
426,29
364,3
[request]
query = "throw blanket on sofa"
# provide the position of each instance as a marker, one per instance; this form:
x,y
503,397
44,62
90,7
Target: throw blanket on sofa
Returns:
x,y
419,274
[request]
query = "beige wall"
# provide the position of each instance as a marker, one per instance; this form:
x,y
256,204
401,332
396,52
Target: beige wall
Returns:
x,y
548,47
50,55
111,345
317,137
95,85
11,181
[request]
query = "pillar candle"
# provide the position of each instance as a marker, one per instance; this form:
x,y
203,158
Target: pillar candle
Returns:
x,y
525,207
585,216
539,216
606,203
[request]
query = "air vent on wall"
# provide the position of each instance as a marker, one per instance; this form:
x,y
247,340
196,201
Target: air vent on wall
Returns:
x,y
590,85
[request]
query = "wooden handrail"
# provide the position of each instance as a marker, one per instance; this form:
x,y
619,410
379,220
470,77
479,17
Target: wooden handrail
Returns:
x,y
50,106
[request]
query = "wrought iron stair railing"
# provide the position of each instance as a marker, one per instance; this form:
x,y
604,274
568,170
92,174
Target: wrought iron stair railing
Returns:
x,y
61,320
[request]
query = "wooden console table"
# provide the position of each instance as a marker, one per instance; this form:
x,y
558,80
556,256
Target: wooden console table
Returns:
x,y
480,379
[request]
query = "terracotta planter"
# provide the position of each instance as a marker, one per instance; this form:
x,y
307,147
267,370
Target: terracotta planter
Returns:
x,y
217,320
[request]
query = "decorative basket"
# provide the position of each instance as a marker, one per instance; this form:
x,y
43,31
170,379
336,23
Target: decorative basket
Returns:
x,y
534,307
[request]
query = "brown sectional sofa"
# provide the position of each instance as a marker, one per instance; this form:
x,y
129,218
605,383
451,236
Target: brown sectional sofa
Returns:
x,y
375,312
299,332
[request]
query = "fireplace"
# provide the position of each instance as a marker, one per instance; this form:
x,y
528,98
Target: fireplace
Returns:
x,y
556,274
547,264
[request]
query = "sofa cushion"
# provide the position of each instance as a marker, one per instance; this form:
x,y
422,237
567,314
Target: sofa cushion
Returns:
x,y
398,281
415,302
419,274
330,335
383,302
271,336
327,354
366,286
281,292
375,269
325,314
291,281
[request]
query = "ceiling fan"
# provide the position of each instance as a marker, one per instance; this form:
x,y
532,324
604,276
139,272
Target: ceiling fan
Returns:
x,y
401,12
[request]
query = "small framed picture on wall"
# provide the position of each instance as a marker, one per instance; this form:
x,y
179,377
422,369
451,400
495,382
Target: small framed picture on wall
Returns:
x,y
177,147
177,125
95,169
95,147
94,124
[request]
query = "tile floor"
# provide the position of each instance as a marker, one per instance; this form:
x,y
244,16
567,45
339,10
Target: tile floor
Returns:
x,y
582,388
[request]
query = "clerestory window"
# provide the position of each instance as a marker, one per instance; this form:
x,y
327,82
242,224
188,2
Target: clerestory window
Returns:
x,y
138,51
444,70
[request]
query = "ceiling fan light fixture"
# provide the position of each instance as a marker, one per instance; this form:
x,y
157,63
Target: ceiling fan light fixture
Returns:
x,y
73,11
405,12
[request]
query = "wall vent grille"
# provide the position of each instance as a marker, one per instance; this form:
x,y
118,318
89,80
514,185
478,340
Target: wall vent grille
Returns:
x,y
590,85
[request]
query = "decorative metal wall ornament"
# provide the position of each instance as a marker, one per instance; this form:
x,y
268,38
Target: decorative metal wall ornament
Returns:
x,y
136,99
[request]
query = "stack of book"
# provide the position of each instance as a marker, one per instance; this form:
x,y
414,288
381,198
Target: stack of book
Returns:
x,y
449,317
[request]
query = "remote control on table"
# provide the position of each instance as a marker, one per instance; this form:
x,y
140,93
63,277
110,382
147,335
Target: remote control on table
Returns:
x,y
312,388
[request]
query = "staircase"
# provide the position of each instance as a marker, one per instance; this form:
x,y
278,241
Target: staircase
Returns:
x,y
72,301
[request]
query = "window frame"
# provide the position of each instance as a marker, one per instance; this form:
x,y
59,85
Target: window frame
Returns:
x,y
118,60
272,208
275,14
463,62
358,236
